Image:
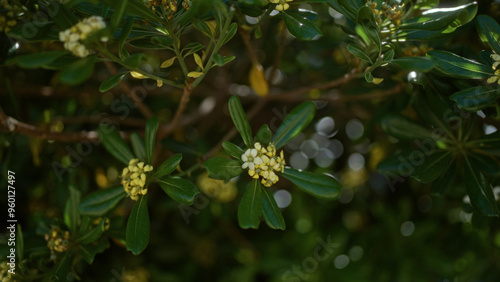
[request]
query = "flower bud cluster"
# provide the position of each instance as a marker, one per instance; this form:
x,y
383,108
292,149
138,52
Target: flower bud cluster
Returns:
x,y
494,66
263,162
282,4
57,240
73,36
10,11
394,13
134,178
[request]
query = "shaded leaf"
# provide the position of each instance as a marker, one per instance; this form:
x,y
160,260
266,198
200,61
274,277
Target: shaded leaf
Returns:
x,y
115,144
403,128
294,123
78,71
111,82
476,98
223,169
264,135
138,146
167,166
240,120
270,210
150,138
479,190
318,185
250,207
137,233
179,189
232,150
101,202
359,52
300,27
433,166
38,60
419,64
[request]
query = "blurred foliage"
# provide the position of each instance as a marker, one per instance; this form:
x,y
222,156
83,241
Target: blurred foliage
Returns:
x,y
404,116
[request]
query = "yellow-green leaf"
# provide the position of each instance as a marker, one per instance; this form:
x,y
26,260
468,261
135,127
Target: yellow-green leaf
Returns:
x,y
168,62
198,60
194,74
258,81
137,75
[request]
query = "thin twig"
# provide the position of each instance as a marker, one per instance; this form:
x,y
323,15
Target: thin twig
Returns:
x,y
145,111
130,121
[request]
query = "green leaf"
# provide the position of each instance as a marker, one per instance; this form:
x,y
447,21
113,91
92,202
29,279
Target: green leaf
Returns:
x,y
476,98
63,17
444,21
403,128
222,60
368,77
111,82
240,120
179,189
93,234
138,146
125,32
134,61
318,185
78,71
202,26
118,14
445,181
137,234
489,32
419,64
62,268
168,166
101,202
264,135
136,8
433,166
359,52
479,190
150,136
115,144
163,41
37,60
452,65
294,123
232,150
19,243
271,212
300,27
71,214
223,169
388,56
488,164
88,252
250,207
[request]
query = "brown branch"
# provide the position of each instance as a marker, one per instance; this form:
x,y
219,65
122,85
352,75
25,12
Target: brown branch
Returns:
x,y
130,121
246,39
145,111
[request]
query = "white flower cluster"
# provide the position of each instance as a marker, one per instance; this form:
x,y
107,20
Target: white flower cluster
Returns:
x,y
134,178
263,162
496,77
282,4
73,36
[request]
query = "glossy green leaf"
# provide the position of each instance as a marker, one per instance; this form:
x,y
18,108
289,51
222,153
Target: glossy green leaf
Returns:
x,y
250,207
264,135
445,181
479,190
137,233
118,13
150,136
138,146
476,98
240,120
308,14
419,64
452,65
179,189
101,202
222,60
300,27
489,32
359,52
78,71
223,169
368,77
89,251
388,56
62,268
93,234
232,150
426,4
443,20
37,60
403,128
488,164
111,82
134,61
233,28
115,144
270,211
433,166
294,123
318,185
71,213
167,166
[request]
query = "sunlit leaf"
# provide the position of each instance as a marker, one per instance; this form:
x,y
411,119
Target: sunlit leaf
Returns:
x,y
258,81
